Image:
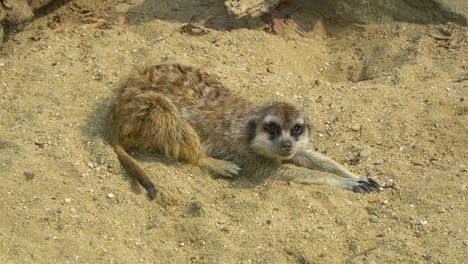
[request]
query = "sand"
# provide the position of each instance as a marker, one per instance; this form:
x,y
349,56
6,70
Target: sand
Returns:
x,y
389,100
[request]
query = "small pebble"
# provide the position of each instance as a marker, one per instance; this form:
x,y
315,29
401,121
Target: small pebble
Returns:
x,y
91,165
67,200
354,149
28,175
373,219
378,162
110,195
389,184
17,38
423,222
101,160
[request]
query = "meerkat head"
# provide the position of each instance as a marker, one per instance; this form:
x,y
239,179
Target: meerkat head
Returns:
x,y
279,131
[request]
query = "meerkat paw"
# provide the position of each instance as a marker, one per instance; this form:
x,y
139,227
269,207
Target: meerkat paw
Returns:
x,y
229,169
221,167
364,184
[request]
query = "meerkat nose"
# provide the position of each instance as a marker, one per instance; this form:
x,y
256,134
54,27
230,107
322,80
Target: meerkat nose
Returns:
x,y
286,145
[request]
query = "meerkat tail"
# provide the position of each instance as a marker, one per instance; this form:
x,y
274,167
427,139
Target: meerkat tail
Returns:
x,y
132,167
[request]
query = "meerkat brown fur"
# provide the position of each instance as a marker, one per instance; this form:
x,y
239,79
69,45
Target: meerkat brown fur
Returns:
x,y
186,114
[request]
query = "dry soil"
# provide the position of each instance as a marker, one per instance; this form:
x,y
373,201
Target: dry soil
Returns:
x,y
389,100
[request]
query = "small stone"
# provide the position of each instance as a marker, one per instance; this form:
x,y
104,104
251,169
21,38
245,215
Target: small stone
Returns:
x,y
28,175
110,195
423,222
17,38
91,165
378,162
389,184
100,160
36,36
373,219
354,149
67,200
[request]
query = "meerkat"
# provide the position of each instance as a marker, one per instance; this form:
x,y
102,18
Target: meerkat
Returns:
x,y
188,115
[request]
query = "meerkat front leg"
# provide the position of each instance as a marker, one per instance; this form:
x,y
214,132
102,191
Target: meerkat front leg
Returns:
x,y
310,159
292,173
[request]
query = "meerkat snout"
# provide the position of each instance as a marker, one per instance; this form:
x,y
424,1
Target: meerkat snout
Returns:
x,y
281,132
286,145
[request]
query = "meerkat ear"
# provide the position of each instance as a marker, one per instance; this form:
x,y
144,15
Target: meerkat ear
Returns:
x,y
251,129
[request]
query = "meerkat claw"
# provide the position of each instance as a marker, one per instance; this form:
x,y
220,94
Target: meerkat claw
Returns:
x,y
367,185
373,184
231,169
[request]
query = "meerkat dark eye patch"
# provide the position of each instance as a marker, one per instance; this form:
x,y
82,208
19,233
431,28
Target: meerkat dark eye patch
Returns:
x,y
297,130
272,128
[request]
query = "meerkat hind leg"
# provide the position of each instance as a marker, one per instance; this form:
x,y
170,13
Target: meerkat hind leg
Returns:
x,y
169,133
221,167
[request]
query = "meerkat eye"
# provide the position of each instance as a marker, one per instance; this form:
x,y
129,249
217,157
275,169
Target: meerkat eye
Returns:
x,y
296,130
271,128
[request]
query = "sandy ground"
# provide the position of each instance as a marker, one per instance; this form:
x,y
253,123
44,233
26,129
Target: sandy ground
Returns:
x,y
388,99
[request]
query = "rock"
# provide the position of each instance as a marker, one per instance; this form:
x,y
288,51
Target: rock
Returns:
x,y
377,162
253,8
17,38
110,195
19,13
381,11
373,219
29,175
354,149
196,209
100,160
